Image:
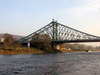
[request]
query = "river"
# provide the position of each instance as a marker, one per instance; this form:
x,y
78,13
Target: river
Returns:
x,y
79,63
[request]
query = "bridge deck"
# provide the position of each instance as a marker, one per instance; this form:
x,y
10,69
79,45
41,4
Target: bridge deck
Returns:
x,y
75,41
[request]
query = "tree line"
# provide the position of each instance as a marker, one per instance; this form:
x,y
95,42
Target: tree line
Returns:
x,y
42,41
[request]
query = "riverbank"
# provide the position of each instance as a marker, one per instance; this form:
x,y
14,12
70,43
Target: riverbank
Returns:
x,y
37,51
25,51
5,52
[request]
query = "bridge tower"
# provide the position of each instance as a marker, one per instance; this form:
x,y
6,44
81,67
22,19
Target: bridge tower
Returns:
x,y
55,30
55,34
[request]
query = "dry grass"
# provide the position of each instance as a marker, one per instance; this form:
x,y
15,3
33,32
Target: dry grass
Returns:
x,y
79,50
21,51
72,51
24,50
35,51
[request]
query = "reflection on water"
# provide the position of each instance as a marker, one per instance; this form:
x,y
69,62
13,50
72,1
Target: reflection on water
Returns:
x,y
51,64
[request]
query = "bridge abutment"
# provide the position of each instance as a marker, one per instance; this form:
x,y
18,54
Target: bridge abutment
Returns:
x,y
56,46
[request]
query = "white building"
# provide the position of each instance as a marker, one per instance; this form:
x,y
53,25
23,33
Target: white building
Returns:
x,y
2,39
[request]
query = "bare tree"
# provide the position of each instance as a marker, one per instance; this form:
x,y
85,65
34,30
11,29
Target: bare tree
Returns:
x,y
9,41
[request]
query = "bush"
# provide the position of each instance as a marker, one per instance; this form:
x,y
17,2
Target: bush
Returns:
x,y
41,41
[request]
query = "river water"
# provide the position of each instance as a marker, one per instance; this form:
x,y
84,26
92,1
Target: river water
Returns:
x,y
51,64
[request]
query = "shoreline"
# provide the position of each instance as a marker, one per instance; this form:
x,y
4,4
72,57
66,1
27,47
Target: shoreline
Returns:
x,y
7,52
30,51
25,51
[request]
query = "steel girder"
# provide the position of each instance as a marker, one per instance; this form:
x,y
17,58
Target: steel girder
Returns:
x,y
60,33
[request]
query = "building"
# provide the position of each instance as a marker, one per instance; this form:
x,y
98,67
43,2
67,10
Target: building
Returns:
x,y
2,40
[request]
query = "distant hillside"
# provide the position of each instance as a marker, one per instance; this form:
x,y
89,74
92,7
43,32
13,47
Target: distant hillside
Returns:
x,y
14,36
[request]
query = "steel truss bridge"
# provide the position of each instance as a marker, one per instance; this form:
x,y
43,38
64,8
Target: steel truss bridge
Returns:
x,y
60,33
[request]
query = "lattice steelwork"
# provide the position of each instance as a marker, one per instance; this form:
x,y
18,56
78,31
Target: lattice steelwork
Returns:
x,y
60,33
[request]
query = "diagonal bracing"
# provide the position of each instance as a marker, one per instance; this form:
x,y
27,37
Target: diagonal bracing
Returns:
x,y
60,33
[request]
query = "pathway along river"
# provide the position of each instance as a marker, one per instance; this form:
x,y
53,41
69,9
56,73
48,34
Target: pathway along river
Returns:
x,y
51,64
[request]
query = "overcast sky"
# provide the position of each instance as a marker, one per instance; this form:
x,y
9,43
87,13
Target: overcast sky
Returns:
x,y
22,17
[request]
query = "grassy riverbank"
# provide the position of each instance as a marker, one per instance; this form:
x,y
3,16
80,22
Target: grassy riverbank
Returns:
x,y
25,51
20,51
35,51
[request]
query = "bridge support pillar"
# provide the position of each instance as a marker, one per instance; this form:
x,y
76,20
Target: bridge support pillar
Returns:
x,y
28,44
56,46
